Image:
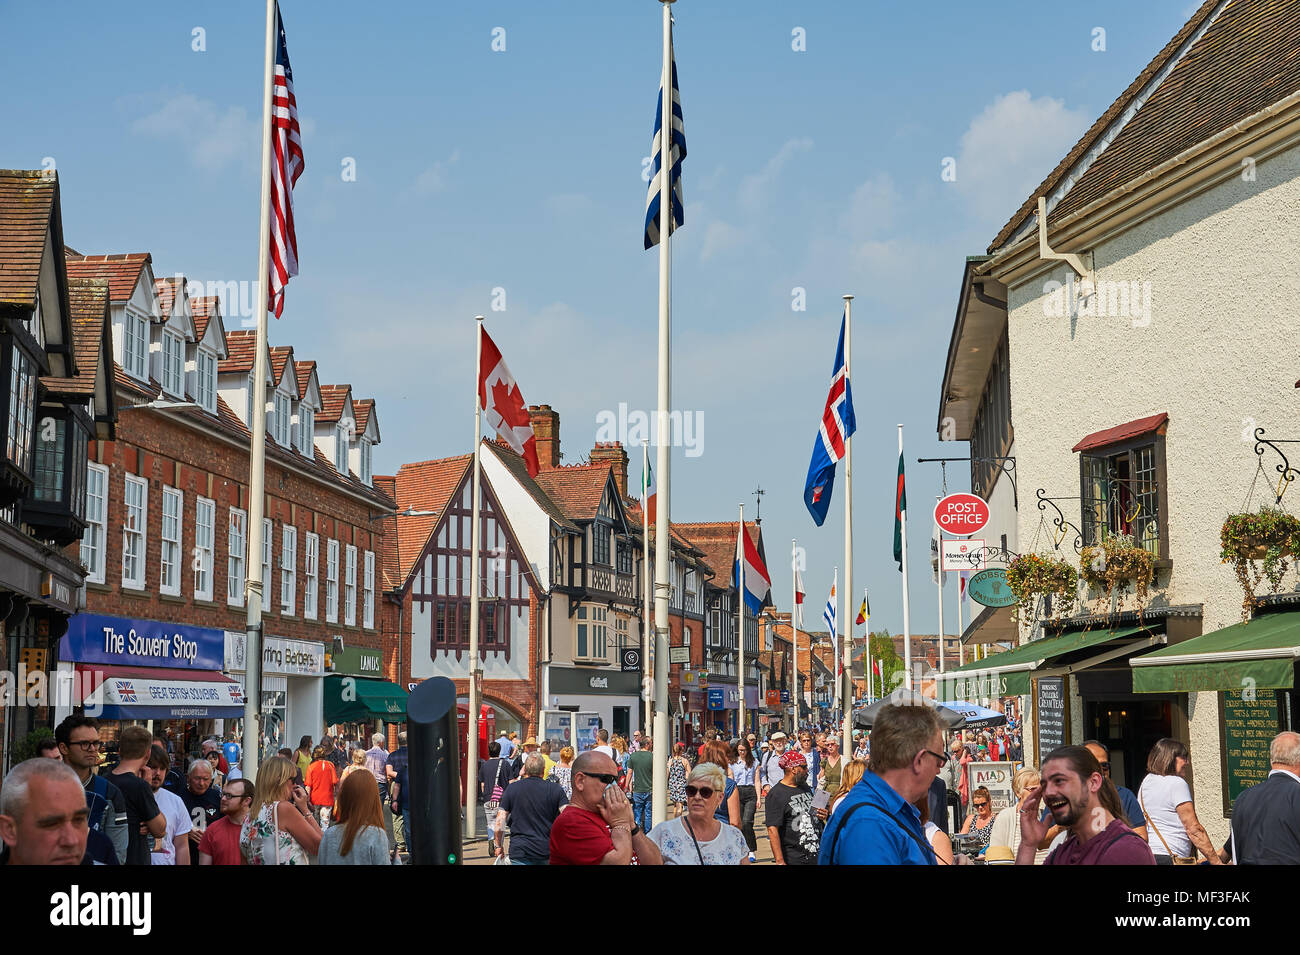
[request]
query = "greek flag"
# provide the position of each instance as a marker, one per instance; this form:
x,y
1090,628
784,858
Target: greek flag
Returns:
x,y
675,169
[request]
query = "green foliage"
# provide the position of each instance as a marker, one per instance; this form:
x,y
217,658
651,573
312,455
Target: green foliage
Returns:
x,y
891,665
1118,563
1258,546
1032,575
25,748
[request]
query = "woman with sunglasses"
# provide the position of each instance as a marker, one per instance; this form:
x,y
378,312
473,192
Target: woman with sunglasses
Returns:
x,y
699,837
980,819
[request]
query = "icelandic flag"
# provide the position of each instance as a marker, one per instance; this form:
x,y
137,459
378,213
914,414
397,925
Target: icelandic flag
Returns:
x,y
829,613
837,426
676,155
757,581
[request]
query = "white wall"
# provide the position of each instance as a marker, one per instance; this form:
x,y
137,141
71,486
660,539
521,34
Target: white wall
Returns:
x,y
532,525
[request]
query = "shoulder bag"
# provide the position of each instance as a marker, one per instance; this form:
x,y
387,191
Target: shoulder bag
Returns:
x,y
1177,860
687,823
924,846
494,803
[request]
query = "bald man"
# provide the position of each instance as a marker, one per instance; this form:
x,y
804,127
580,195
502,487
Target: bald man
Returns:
x,y
597,827
1266,817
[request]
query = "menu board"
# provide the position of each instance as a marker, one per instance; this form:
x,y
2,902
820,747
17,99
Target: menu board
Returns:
x,y
1050,717
1249,726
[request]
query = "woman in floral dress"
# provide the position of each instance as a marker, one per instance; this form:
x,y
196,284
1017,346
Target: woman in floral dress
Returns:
x,y
280,828
678,768
563,771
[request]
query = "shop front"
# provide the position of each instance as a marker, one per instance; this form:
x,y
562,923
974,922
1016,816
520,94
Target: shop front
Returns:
x,y
358,701
293,676
168,676
613,694
724,709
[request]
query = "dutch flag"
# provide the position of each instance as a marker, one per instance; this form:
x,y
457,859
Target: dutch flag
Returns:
x,y
757,582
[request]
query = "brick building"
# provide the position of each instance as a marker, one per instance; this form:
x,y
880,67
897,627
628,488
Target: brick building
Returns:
x,y
166,539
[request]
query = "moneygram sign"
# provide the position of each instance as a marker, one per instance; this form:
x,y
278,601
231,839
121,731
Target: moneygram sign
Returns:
x,y
961,514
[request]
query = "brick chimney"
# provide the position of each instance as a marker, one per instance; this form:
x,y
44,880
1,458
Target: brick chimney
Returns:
x,y
612,454
546,428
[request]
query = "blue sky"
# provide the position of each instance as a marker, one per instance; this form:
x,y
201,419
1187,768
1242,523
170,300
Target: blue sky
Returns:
x,y
520,169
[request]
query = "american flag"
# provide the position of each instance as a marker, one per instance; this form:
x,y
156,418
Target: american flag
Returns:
x,y
286,167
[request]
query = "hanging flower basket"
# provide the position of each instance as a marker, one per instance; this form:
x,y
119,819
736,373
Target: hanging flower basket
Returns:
x,y
1259,546
1031,575
1118,563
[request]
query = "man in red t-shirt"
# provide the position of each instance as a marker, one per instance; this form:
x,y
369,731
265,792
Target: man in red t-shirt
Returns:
x,y
597,827
1082,800
321,780
220,842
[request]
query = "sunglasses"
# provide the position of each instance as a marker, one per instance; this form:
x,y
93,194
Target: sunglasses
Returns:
x,y
980,805
704,792
607,778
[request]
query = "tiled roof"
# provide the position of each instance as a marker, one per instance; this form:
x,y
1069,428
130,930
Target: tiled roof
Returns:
x,y
281,355
363,408
303,371
226,420
515,465
241,345
88,304
632,510
1122,432
204,309
388,580
717,539
423,486
577,489
166,289
121,269
333,398
1248,59
26,204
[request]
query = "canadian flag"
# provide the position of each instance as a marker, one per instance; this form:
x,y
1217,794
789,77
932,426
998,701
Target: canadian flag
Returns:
x,y
504,406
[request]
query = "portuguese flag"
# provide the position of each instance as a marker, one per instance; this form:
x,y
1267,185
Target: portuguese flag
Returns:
x,y
900,506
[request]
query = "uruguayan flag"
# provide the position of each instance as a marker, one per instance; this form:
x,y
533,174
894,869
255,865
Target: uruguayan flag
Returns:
x,y
675,166
829,614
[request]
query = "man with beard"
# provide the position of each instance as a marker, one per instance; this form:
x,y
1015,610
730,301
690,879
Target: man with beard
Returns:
x,y
1081,799
793,827
173,848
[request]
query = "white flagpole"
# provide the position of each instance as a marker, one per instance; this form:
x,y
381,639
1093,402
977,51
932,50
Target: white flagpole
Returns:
x,y
938,578
961,653
907,620
794,625
740,627
645,590
846,650
663,567
471,746
866,643
257,447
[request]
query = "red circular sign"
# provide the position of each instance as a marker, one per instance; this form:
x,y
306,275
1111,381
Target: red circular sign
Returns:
x,y
961,514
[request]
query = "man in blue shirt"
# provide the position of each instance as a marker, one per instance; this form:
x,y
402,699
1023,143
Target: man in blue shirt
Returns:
x,y
1129,802
877,824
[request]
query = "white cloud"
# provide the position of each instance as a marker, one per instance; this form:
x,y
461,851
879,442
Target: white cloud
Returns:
x,y
1010,147
872,205
434,179
211,137
720,237
754,188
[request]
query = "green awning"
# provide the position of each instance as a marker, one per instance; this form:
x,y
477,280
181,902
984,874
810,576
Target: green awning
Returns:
x,y
1008,673
1259,654
351,699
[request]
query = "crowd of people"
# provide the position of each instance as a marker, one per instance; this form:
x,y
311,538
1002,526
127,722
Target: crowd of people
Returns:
x,y
902,797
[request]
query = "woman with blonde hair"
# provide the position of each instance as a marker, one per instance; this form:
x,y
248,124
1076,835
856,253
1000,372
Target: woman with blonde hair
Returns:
x,y
619,745
698,837
849,778
358,762
357,836
563,771
1006,827
270,836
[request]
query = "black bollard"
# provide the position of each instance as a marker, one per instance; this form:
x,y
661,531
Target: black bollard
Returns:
x,y
434,774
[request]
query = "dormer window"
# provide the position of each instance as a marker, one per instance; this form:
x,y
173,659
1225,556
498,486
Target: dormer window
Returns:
x,y
341,449
306,430
173,364
205,381
364,447
280,419
135,345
